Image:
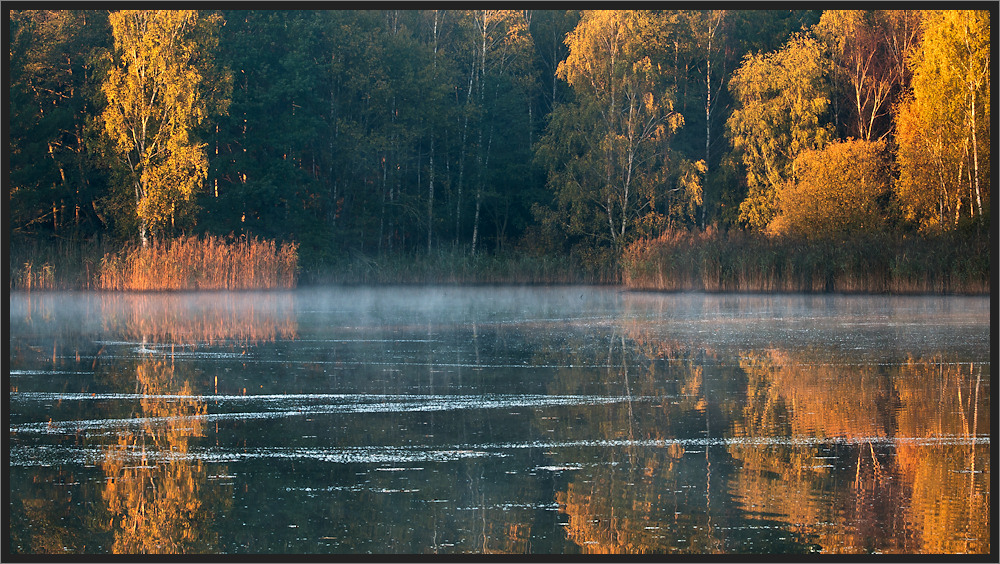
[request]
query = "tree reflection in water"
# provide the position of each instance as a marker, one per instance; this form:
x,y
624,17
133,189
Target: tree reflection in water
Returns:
x,y
154,489
643,500
676,439
837,457
885,488
156,492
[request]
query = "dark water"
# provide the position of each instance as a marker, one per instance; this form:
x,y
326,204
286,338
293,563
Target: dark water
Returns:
x,y
449,420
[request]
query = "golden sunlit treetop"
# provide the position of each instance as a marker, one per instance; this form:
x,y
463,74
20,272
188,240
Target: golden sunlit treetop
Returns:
x,y
157,93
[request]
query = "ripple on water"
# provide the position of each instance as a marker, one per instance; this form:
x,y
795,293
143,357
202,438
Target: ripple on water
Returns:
x,y
47,455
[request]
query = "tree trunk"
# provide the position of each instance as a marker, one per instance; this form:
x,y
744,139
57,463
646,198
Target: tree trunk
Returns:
x,y
461,159
708,119
430,199
482,106
381,218
139,192
975,155
475,220
430,186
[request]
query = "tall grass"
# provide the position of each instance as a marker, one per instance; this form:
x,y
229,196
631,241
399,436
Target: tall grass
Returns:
x,y
191,263
456,266
953,262
63,264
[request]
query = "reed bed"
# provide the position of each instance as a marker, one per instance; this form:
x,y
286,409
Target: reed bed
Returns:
x,y
192,263
62,264
456,266
948,263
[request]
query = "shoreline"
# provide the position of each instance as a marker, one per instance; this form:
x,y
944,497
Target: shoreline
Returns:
x,y
383,285
679,261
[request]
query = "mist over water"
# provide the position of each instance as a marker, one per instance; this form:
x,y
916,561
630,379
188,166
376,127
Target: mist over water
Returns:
x,y
498,419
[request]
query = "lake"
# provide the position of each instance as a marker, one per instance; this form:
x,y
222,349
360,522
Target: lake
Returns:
x,y
498,420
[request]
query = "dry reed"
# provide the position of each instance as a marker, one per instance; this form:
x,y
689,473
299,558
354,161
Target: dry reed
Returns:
x,y
212,263
949,263
54,264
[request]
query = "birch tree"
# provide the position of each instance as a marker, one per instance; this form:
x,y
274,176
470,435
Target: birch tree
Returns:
x,y
707,29
944,129
502,48
866,47
783,98
614,68
162,85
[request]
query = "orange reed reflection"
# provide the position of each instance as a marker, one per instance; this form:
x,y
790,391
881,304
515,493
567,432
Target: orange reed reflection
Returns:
x,y
245,318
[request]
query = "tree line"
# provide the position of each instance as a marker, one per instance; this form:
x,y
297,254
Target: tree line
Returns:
x,y
368,133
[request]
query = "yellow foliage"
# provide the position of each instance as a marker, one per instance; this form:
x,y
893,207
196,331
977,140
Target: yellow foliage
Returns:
x,y
834,191
157,93
944,128
614,66
782,96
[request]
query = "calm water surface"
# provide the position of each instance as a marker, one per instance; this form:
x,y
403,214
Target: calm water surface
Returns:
x,y
498,420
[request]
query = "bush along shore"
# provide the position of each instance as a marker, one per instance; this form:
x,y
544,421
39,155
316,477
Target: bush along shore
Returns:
x,y
713,261
185,263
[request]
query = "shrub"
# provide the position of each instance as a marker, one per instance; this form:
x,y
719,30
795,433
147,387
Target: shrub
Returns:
x,y
835,191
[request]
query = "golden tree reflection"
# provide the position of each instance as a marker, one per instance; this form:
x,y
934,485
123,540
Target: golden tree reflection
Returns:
x,y
950,483
637,502
846,457
633,509
154,490
913,497
501,536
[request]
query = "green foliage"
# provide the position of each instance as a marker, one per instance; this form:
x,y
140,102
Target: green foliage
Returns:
x,y
455,266
55,72
371,132
783,98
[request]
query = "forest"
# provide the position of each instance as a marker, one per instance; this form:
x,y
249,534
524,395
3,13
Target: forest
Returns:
x,y
722,150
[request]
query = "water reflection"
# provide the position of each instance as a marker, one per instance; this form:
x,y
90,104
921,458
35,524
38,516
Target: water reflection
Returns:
x,y
642,499
46,518
154,490
202,318
676,425
179,318
882,491
830,456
